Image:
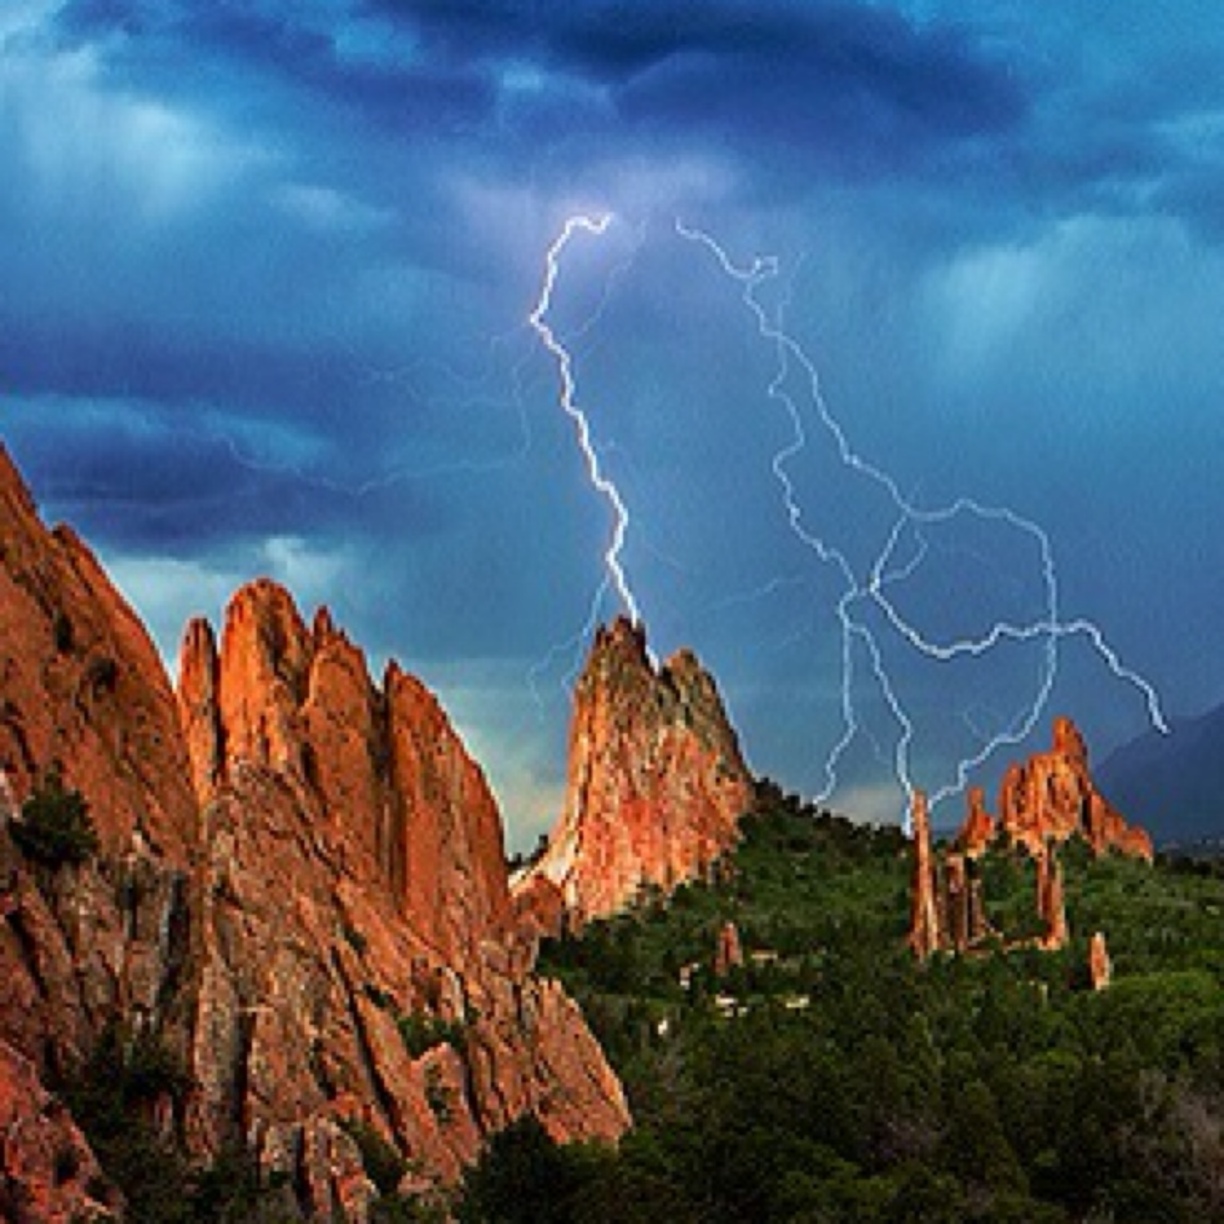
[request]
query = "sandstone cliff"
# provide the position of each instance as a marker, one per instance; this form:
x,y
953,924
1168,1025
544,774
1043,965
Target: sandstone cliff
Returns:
x,y
48,1174
299,892
83,697
656,783
356,952
81,684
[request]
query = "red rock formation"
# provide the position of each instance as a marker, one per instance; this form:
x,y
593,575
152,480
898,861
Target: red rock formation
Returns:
x,y
1052,797
926,934
82,689
300,889
956,896
1100,967
978,830
1051,907
656,780
83,686
728,951
388,907
539,907
1043,803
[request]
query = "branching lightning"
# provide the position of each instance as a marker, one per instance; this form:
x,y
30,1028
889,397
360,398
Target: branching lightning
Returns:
x,y
599,479
866,612
858,591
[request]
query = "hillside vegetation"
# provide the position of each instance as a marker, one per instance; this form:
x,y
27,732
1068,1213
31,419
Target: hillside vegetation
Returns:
x,y
833,1078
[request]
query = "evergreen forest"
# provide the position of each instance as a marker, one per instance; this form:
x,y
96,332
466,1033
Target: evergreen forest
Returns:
x,y
832,1078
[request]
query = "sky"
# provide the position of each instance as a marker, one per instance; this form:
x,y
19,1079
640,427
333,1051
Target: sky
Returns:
x,y
269,272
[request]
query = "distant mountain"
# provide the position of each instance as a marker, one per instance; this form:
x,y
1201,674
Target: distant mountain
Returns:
x,y
1173,784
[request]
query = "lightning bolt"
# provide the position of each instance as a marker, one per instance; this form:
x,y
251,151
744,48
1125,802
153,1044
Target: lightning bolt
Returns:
x,y
600,481
871,589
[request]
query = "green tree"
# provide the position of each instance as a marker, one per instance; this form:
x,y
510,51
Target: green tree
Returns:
x,y
523,1178
55,826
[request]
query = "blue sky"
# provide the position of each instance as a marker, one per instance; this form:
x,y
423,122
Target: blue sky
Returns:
x,y
267,274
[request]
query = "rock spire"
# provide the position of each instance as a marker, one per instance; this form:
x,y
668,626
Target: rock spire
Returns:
x,y
656,784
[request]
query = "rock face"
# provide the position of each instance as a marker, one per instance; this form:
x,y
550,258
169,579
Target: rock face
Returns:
x,y
979,827
300,892
48,1174
82,694
1051,906
656,782
1043,803
81,685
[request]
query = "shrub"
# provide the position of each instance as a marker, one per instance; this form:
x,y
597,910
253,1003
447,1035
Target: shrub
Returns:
x,y
438,1096
383,1164
55,826
421,1031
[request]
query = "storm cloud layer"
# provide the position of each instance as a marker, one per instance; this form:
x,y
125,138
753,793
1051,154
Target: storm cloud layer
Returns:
x,y
267,269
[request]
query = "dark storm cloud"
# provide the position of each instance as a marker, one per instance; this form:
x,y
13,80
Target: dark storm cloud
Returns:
x,y
144,485
786,91
836,84
266,265
108,358
616,42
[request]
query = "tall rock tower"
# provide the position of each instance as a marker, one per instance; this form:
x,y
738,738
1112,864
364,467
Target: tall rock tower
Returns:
x,y
656,785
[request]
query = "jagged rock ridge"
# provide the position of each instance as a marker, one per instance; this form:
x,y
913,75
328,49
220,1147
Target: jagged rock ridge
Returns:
x,y
300,888
655,789
1052,797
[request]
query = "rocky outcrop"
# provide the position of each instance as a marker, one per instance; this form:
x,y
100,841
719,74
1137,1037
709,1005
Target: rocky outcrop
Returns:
x,y
299,891
83,945
83,697
391,790
656,783
1100,966
376,972
1043,803
81,684
1051,903
1051,798
964,905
